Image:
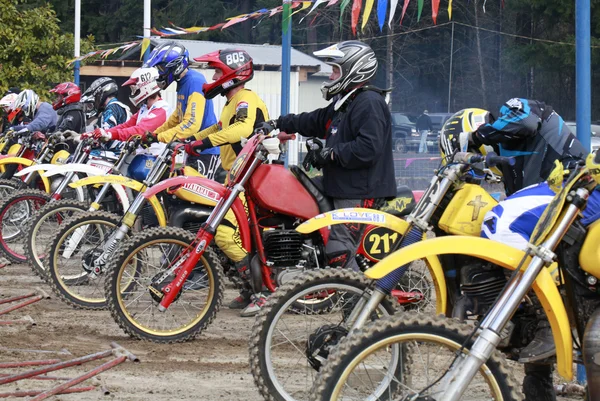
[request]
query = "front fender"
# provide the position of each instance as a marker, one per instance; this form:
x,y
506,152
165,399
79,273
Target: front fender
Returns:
x,y
36,167
62,169
502,255
353,215
27,163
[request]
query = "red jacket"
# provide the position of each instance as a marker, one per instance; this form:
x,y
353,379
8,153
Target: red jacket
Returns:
x,y
142,121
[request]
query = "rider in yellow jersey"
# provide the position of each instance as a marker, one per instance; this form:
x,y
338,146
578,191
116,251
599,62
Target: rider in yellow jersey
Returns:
x,y
243,112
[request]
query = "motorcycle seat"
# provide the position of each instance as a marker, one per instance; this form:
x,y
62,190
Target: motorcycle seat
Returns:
x,y
325,204
403,204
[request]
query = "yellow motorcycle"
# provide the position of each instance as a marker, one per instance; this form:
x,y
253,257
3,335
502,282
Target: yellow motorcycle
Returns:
x,y
453,204
463,362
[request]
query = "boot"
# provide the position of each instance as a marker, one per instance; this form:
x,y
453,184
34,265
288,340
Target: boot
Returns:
x,y
242,300
537,383
542,345
258,301
243,271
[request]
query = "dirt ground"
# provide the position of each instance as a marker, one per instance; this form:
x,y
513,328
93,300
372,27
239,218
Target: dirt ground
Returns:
x,y
213,367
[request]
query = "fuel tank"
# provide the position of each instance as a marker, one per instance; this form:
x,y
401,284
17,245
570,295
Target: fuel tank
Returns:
x,y
274,188
589,256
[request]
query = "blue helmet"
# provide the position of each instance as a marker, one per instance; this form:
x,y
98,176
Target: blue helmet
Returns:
x,y
170,59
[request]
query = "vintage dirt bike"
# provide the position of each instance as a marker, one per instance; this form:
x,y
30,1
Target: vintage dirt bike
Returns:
x,y
17,209
85,242
454,203
472,367
266,226
110,197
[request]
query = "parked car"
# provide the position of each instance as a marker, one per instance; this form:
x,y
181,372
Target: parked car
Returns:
x,y
403,128
438,120
595,128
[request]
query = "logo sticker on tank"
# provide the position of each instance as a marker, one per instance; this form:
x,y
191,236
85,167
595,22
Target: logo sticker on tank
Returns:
x,y
367,217
202,191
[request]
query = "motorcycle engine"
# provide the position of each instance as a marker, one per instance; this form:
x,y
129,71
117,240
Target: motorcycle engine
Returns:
x,y
480,285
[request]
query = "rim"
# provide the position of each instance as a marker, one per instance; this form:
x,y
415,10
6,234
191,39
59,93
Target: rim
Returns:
x,y
405,388
298,344
138,306
71,275
14,218
42,233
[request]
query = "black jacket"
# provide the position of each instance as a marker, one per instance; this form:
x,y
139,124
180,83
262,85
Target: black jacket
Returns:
x,y
360,134
424,123
71,117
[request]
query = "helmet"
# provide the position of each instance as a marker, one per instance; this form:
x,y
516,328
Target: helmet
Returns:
x,y
454,135
24,105
99,91
357,64
66,93
593,164
142,84
7,101
170,59
236,66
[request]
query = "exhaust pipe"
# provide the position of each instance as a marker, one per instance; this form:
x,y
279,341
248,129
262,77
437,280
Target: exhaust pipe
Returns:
x,y
591,355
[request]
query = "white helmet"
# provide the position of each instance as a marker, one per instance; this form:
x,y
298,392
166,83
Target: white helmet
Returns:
x,y
7,101
24,105
143,84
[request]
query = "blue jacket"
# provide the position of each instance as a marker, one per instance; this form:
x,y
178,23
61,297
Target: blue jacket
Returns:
x,y
44,120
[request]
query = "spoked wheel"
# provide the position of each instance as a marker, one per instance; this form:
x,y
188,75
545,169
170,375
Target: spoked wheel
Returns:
x,y
8,187
15,213
137,275
288,345
418,284
76,270
42,228
357,368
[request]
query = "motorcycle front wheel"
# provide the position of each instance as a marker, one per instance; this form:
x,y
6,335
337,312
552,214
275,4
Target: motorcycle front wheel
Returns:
x,y
356,370
136,277
292,336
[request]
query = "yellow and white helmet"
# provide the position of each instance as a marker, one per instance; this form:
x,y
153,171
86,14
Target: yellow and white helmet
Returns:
x,y
455,134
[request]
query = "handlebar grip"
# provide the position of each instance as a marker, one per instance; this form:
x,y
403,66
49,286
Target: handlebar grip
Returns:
x,y
492,160
468,157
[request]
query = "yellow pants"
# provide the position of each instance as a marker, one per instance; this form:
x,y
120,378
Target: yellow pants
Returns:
x,y
228,237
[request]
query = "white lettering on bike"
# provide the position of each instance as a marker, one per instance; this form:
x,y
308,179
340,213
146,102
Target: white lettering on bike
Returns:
x,y
202,191
102,167
358,216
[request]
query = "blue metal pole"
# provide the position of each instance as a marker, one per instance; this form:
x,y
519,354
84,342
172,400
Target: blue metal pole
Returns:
x,y
286,51
76,68
583,81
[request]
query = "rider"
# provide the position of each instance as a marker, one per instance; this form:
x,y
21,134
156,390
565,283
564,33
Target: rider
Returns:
x,y
103,92
6,105
536,136
193,112
243,112
68,107
28,107
145,94
357,161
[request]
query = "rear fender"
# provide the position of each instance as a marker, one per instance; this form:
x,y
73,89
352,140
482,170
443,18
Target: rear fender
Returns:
x,y
212,191
7,159
502,255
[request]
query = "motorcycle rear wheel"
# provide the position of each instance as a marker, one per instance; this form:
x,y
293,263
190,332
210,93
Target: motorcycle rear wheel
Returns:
x,y
135,308
278,361
353,367
15,214
7,187
41,230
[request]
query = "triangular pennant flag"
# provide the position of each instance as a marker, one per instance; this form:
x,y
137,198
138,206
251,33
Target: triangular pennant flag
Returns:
x,y
356,6
419,9
317,4
342,8
450,9
381,10
234,21
366,14
393,6
145,44
435,6
332,2
236,17
404,7
305,5
276,10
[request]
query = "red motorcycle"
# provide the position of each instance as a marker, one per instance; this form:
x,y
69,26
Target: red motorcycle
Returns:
x,y
162,306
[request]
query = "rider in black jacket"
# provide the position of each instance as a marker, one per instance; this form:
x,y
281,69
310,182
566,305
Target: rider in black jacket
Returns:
x,y
357,162
68,107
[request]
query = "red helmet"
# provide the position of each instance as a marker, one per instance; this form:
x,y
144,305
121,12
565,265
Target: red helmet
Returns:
x,y
236,66
66,93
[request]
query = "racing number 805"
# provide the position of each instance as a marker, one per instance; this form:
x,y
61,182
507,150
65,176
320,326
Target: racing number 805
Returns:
x,y
234,58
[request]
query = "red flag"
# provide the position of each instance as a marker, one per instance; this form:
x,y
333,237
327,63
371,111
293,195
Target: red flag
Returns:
x,y
404,7
435,6
356,6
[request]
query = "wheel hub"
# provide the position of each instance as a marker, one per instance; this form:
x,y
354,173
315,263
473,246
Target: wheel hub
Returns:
x,y
321,342
88,262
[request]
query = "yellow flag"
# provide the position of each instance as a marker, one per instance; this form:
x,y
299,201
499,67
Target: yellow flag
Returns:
x,y
450,9
305,5
367,13
145,44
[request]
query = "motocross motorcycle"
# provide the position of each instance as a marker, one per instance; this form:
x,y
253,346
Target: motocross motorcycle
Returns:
x,y
467,363
84,244
154,308
453,204
110,197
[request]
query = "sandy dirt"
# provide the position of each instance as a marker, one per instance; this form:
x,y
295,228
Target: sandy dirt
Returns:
x,y
213,367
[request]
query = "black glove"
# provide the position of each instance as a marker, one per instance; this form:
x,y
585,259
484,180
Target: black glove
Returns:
x,y
265,127
322,158
149,138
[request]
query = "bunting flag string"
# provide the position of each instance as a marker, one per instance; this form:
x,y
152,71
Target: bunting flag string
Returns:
x,y
357,7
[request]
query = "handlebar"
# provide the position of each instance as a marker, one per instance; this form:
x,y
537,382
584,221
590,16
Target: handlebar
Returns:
x,y
490,160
